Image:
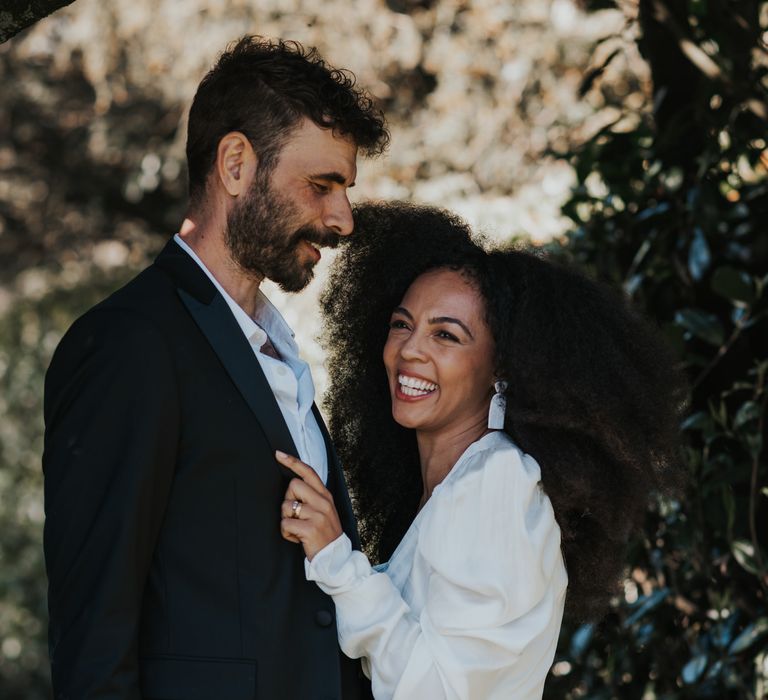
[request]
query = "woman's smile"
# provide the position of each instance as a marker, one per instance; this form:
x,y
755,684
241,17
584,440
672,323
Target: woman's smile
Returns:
x,y
413,388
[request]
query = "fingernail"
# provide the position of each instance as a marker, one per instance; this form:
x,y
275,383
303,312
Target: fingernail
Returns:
x,y
279,454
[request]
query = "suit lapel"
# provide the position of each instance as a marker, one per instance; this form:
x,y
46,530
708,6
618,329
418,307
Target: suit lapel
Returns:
x,y
337,484
215,320
218,325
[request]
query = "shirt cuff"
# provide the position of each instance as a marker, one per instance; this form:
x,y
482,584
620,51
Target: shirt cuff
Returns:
x,y
337,568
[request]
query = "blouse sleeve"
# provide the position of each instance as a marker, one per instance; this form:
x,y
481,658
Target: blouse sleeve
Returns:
x,y
495,583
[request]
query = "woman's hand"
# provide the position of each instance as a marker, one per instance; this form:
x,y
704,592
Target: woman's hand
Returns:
x,y
308,513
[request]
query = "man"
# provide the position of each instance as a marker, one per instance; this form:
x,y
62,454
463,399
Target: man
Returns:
x,y
164,405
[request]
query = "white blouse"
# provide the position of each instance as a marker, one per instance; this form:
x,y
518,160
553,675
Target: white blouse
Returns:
x,y
469,606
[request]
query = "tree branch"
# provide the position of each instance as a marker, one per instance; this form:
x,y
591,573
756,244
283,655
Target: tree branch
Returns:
x,y
16,15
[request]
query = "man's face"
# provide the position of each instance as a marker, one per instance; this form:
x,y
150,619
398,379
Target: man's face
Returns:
x,y
275,230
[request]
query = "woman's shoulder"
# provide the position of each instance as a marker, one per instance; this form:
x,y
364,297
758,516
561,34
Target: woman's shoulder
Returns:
x,y
495,457
492,518
494,480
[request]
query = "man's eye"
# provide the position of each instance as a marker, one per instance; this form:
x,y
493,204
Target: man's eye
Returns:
x,y
319,187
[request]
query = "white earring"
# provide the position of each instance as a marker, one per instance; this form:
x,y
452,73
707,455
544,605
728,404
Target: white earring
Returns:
x,y
498,407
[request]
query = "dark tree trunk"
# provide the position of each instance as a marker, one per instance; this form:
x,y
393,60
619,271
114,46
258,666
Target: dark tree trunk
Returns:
x,y
16,15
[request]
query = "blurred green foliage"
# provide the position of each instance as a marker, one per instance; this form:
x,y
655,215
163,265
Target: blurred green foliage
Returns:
x,y
62,192
675,211
29,334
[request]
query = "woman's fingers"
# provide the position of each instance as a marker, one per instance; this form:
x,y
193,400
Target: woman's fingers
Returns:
x,y
302,510
289,537
303,471
296,509
306,532
299,490
308,514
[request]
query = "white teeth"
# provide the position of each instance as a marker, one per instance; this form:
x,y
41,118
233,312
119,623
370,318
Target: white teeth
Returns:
x,y
411,386
412,392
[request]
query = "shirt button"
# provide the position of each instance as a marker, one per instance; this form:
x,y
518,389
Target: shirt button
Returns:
x,y
324,618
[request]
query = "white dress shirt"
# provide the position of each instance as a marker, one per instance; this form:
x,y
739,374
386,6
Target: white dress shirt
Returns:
x,y
469,606
289,378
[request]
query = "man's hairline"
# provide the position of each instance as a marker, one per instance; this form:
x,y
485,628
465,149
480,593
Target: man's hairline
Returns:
x,y
266,168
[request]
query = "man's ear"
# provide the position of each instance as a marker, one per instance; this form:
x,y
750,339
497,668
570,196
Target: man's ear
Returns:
x,y
235,163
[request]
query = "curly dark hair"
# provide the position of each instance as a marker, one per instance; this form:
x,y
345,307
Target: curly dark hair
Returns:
x,y
593,392
263,88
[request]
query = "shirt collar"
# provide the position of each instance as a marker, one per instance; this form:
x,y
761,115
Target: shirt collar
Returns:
x,y
268,321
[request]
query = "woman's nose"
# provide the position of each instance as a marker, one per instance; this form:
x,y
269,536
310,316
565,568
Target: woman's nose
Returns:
x,y
413,347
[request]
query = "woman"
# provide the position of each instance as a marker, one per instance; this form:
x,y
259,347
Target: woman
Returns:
x,y
519,420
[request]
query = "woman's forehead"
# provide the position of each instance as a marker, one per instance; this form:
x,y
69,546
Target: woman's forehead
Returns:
x,y
444,289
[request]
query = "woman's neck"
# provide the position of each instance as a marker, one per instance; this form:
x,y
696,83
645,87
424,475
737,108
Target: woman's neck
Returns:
x,y
439,451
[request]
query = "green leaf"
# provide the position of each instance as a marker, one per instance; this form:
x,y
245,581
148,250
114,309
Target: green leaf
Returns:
x,y
701,324
747,412
749,635
650,212
715,670
580,640
694,668
733,284
701,420
699,255
720,414
744,553
740,314
754,443
722,633
645,605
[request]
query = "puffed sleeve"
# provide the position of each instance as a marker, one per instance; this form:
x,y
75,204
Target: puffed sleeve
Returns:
x,y
489,566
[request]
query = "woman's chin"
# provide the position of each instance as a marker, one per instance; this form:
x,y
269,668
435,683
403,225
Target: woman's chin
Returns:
x,y
406,419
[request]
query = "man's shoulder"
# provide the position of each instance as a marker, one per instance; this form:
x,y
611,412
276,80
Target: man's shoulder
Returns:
x,y
150,293
141,309
144,290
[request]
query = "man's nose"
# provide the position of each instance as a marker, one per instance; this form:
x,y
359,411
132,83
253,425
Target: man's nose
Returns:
x,y
338,214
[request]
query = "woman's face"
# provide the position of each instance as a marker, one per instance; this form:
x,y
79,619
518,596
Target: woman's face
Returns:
x,y
439,355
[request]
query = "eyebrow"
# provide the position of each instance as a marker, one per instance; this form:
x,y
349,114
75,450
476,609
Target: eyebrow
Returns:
x,y
437,319
332,176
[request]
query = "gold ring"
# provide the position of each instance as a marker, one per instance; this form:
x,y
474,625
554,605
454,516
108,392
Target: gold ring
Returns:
x,y
296,509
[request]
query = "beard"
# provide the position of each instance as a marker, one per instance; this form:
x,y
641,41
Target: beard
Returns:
x,y
263,241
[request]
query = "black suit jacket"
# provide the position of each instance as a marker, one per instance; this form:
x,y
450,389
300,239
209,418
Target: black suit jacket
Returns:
x,y
168,576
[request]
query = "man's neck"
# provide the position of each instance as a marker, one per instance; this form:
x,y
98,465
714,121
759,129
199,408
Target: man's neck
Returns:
x,y
207,240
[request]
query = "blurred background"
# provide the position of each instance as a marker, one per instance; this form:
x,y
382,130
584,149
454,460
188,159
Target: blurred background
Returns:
x,y
627,137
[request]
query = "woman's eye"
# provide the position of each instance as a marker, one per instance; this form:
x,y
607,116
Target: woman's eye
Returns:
x,y
447,336
398,324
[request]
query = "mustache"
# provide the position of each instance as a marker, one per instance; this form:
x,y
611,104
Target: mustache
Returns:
x,y
324,238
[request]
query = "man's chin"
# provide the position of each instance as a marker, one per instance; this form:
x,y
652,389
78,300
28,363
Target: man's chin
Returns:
x,y
296,283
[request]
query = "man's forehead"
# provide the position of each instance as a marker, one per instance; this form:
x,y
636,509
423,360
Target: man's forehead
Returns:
x,y
322,151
